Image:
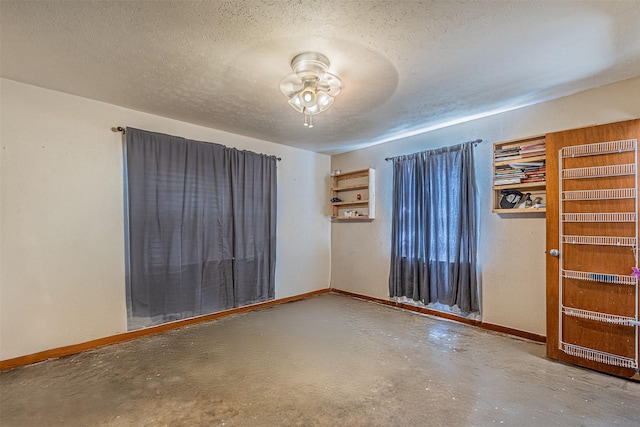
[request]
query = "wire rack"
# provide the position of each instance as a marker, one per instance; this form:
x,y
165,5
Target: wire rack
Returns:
x,y
599,171
600,148
600,217
599,356
613,319
610,148
619,279
599,240
608,194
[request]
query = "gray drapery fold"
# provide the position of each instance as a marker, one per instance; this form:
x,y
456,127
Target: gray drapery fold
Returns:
x,y
202,226
433,253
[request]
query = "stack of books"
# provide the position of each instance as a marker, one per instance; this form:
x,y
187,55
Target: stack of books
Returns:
x,y
522,152
503,154
508,174
533,171
519,168
532,150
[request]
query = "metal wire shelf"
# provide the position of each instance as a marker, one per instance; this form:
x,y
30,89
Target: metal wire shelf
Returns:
x,y
608,194
599,217
598,356
613,319
599,240
619,279
599,171
599,148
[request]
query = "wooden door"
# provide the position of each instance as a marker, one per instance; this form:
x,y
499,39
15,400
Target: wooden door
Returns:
x,y
592,223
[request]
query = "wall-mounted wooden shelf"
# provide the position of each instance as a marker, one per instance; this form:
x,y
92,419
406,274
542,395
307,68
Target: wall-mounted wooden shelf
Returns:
x,y
347,187
520,211
517,161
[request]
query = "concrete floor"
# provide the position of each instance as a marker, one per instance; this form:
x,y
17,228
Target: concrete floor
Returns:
x,y
327,361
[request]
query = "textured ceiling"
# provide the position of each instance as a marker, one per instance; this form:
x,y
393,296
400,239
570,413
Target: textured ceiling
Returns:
x,y
406,66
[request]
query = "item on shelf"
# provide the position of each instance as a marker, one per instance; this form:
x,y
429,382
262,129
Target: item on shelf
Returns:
x,y
538,203
510,198
605,278
335,200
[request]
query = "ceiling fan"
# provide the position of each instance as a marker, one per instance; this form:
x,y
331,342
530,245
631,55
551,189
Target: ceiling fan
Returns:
x,y
311,88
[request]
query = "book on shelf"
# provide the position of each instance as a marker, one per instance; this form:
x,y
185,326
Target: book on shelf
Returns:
x,y
511,173
527,164
507,181
507,150
524,155
533,147
505,158
540,151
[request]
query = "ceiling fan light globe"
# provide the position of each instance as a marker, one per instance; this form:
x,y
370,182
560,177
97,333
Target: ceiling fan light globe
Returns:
x,y
296,103
313,110
308,97
324,100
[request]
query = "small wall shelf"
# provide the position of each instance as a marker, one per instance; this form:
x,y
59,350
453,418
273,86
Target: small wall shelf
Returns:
x,y
356,191
520,165
522,210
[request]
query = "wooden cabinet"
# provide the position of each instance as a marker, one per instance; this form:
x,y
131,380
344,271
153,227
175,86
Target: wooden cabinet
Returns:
x,y
519,168
353,196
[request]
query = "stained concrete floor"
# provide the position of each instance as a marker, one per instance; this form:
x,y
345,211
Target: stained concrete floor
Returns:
x,y
326,361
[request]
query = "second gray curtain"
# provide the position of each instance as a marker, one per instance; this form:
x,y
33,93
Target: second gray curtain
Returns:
x,y
433,254
202,226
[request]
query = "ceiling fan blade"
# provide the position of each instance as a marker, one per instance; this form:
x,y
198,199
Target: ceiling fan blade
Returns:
x,y
330,84
291,85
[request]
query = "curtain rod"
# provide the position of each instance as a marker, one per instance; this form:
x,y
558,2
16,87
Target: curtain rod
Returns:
x,y
475,142
124,131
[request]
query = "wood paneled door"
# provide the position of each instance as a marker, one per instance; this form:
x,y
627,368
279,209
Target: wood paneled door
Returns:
x,y
592,247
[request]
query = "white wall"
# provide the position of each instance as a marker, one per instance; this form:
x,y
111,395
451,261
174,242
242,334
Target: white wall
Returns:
x,y
511,250
62,249
61,215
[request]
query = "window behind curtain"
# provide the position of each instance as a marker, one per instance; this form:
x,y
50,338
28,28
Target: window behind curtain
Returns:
x,y
202,221
433,254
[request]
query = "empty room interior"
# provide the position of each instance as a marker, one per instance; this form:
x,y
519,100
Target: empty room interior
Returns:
x,y
319,213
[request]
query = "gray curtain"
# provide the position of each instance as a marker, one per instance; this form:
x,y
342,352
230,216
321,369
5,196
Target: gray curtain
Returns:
x,y
433,253
202,226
